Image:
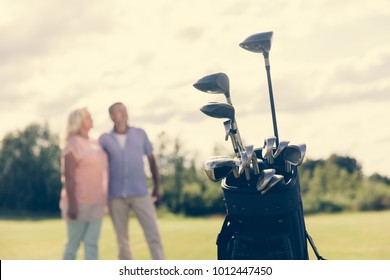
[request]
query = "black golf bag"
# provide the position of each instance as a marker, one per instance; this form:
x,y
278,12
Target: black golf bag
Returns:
x,y
264,215
268,226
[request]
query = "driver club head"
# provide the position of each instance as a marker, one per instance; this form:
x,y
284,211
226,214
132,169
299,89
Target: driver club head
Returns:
x,y
217,168
274,180
258,43
218,110
215,84
265,176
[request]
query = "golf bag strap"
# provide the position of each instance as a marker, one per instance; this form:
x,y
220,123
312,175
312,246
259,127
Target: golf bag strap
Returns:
x,y
313,246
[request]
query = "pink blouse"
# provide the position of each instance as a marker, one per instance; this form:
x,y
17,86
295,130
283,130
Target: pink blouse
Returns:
x,y
90,176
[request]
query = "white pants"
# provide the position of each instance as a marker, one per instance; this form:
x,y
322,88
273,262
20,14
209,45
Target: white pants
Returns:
x,y
144,209
87,232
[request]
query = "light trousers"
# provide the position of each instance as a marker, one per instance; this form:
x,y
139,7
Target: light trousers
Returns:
x,y
145,212
87,232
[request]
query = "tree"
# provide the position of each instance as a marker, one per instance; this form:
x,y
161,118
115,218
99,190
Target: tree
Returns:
x,y
30,174
185,188
338,184
349,164
379,179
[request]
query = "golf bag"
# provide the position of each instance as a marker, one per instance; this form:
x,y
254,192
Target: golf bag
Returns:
x,y
264,207
263,227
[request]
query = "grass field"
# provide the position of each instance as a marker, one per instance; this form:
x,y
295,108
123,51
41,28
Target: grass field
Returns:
x,y
351,236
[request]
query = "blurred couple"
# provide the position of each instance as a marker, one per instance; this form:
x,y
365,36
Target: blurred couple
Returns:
x,y
107,172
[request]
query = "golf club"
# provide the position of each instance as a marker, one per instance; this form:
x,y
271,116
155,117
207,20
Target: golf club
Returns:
x,y
217,168
274,180
243,161
219,110
261,43
229,132
227,126
280,148
294,155
249,154
216,84
255,166
223,110
265,176
268,149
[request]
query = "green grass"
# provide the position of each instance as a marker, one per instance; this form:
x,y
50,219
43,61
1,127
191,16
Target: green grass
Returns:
x,y
353,236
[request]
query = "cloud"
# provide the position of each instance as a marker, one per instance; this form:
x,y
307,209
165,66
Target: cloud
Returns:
x,y
144,59
192,116
288,99
371,72
328,57
11,101
155,118
59,107
159,103
49,25
191,33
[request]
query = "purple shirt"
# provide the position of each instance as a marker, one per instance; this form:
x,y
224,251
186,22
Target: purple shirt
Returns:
x,y
126,166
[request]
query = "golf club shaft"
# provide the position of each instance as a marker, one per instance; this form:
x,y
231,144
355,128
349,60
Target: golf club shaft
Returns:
x,y
235,146
256,169
237,142
271,97
236,135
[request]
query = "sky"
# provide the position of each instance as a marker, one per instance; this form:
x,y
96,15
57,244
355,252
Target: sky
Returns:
x,y
330,68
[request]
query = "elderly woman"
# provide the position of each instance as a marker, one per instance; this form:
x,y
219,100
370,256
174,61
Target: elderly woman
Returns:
x,y
84,195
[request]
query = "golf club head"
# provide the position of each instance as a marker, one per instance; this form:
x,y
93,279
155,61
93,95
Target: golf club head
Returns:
x,y
243,161
227,124
258,43
265,176
215,84
294,154
218,110
249,152
217,168
274,180
268,145
280,148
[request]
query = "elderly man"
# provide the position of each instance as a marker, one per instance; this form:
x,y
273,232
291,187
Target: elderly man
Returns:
x,y
128,190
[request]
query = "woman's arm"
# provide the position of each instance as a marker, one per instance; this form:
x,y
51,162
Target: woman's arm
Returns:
x,y
70,167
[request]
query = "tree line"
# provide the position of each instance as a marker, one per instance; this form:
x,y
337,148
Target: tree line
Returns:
x,y
30,179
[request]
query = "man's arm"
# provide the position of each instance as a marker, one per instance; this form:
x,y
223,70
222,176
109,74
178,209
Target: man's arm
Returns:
x,y
155,176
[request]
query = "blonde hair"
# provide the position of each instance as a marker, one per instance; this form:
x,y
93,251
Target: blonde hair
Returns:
x,y
74,122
